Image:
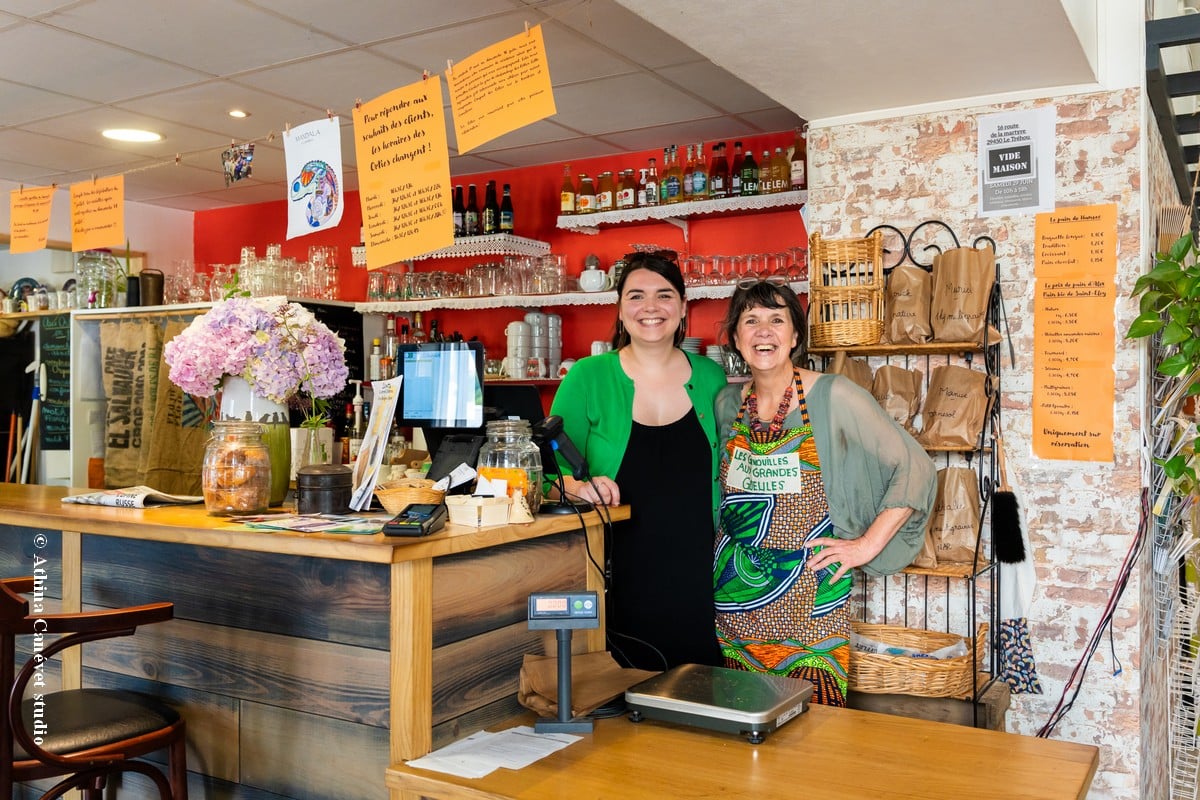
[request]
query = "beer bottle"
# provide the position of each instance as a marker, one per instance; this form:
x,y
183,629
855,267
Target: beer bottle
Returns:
x,y
800,160
457,207
491,210
506,211
471,213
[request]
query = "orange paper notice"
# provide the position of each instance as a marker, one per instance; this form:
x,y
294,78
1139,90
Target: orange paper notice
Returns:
x,y
98,213
404,173
1074,316
29,211
500,88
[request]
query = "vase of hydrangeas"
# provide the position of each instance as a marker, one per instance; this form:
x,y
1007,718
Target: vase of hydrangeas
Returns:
x,y
257,353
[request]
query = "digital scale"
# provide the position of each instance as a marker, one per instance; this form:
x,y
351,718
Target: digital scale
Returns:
x,y
730,700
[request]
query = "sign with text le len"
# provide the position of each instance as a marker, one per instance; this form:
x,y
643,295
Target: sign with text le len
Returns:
x,y
404,173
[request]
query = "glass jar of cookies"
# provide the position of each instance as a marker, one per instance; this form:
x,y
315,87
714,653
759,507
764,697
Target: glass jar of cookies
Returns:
x,y
236,476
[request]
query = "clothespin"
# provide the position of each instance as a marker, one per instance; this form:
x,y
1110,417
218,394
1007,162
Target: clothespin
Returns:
x,y
357,103
526,27
177,159
425,73
286,127
93,178
271,136
328,114
449,67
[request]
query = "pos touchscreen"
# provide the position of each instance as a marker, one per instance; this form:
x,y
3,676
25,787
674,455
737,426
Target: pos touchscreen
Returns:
x,y
442,386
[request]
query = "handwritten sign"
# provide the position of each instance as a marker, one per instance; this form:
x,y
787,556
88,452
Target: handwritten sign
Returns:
x,y
29,212
404,173
500,88
1074,318
98,213
54,351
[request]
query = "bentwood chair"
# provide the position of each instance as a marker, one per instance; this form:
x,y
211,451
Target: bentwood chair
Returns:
x,y
84,736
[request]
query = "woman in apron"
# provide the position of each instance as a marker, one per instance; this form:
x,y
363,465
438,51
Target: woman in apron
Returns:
x,y
817,480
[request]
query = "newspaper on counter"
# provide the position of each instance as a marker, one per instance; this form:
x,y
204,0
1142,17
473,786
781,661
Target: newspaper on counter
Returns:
x,y
133,497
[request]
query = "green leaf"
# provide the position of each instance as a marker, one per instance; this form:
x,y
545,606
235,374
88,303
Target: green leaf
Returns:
x,y
1145,325
1175,467
1181,248
1175,332
1153,301
1177,365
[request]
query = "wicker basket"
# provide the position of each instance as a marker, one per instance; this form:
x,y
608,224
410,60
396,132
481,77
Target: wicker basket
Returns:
x,y
395,495
924,677
845,291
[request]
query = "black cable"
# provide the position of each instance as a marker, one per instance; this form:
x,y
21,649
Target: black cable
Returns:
x,y
1079,673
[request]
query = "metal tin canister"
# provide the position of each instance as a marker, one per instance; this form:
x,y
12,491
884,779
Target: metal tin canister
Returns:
x,y
323,489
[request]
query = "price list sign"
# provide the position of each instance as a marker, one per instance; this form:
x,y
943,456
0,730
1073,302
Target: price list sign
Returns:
x,y
1074,347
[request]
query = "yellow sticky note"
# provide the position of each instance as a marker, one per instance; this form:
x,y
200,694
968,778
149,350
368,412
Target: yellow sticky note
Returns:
x,y
500,88
29,211
404,173
98,213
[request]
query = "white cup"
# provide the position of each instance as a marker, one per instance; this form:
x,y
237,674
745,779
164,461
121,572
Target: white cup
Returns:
x,y
594,280
565,367
599,347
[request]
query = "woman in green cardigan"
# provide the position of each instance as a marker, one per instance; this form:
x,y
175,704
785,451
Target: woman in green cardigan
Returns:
x,y
642,416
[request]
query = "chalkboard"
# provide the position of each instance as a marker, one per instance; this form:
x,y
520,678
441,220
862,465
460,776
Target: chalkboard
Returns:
x,y
55,354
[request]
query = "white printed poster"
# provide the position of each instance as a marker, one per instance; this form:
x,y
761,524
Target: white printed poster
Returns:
x,y
1016,162
313,155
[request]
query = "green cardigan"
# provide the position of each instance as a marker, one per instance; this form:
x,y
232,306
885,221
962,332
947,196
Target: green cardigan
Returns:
x,y
868,464
595,401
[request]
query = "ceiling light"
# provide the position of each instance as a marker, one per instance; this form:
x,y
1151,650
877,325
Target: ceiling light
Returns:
x,y
237,113
131,135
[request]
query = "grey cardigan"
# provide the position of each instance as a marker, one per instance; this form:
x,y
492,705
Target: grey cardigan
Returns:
x,y
868,464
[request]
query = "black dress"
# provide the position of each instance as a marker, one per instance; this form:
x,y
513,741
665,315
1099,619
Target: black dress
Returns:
x,y
660,599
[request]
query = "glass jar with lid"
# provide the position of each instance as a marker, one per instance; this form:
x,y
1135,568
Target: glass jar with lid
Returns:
x,y
236,476
98,275
509,454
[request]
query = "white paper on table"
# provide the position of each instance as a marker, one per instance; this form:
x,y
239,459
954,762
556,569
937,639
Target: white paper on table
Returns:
x,y
375,440
481,753
491,487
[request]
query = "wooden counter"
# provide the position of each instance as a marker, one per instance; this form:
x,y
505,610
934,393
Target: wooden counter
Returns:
x,y
305,663
825,752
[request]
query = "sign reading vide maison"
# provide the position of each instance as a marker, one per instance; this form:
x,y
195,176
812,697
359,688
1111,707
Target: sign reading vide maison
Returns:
x,y
1016,162
404,173
1074,343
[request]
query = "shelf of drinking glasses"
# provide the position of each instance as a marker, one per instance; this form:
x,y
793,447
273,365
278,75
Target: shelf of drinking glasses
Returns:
x,y
679,213
492,244
714,292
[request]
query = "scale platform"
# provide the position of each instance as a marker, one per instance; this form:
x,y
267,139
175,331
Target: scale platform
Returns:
x,y
721,699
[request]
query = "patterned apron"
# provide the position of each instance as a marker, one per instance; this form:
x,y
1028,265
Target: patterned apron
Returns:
x,y
772,614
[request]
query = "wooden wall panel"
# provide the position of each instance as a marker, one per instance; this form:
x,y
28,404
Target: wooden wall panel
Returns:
x,y
17,550
483,591
477,671
333,680
327,599
480,719
308,756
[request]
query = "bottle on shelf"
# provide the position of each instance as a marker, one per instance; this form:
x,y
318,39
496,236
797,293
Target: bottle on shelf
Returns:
x,y
666,174
781,170
390,340
627,190
800,160
347,429
673,182
586,199
650,195
605,191
735,170
458,210
359,428
374,372
700,187
688,179
718,176
567,193
471,213
749,175
491,210
434,334
764,173
418,333
405,337
506,211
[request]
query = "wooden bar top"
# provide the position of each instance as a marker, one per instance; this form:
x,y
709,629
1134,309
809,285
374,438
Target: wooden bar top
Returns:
x,y
825,752
42,507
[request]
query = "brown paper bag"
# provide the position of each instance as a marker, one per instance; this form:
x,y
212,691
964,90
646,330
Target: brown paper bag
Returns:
x,y
954,408
178,435
123,352
954,523
595,679
962,285
927,558
906,300
898,391
856,369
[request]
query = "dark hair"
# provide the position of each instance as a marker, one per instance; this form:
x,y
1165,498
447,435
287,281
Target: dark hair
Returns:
x,y
660,262
767,294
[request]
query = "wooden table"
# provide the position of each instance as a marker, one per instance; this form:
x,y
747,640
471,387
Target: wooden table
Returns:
x,y
285,643
826,752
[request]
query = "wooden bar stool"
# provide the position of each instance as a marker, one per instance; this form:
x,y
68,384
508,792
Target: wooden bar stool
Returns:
x,y
85,735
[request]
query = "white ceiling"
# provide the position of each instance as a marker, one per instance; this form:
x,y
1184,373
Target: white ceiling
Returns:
x,y
70,69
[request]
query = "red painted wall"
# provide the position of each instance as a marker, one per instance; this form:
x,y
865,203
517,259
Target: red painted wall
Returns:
x,y
220,234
